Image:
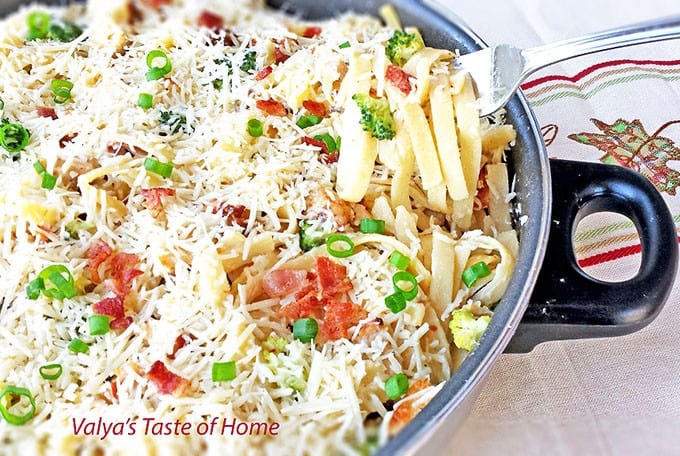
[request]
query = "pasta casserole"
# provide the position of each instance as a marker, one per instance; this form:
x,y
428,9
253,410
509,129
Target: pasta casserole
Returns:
x,y
227,229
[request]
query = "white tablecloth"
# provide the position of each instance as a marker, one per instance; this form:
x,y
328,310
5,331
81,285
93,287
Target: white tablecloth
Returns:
x,y
618,396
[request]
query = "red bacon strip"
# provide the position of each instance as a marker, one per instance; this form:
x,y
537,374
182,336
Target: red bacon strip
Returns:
x,y
338,318
210,20
280,56
111,307
263,73
283,282
399,78
181,341
154,196
315,108
155,4
315,142
96,255
311,32
123,273
44,111
167,382
332,277
271,107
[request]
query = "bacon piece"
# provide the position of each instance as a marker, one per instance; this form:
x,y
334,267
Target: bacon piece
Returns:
x,y
263,73
67,139
120,324
167,382
134,13
332,278
280,56
399,78
181,341
114,391
328,159
338,318
315,142
271,107
235,214
111,307
283,282
44,111
98,252
315,107
156,4
154,196
210,20
305,307
311,32
407,410
123,273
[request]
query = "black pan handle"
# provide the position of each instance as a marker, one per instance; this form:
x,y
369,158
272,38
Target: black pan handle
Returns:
x,y
569,304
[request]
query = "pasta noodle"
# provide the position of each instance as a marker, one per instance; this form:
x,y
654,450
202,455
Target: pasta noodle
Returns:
x,y
230,231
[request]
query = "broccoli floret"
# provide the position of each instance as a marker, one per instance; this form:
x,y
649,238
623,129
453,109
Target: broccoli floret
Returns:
x,y
467,329
287,367
309,236
402,46
376,117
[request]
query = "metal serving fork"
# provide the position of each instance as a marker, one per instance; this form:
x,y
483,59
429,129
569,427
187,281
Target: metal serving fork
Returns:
x,y
498,71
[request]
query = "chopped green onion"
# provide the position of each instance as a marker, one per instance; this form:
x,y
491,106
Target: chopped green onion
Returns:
x,y
34,288
340,238
13,138
2,104
39,168
62,90
73,227
405,276
48,180
50,371
78,346
38,25
344,45
372,226
59,276
255,128
99,325
64,31
145,100
395,302
399,260
10,417
162,169
396,386
474,273
224,372
305,329
308,121
327,139
156,72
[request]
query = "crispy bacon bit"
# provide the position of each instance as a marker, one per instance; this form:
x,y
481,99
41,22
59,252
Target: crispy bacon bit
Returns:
x,y
407,410
44,111
263,73
280,56
111,307
236,215
399,78
483,191
283,282
328,159
67,139
120,324
167,382
271,107
181,341
210,20
134,13
332,278
123,273
156,4
305,307
96,255
311,32
338,318
114,391
315,142
315,107
154,197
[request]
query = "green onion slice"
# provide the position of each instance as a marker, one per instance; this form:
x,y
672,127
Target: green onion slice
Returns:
x,y
51,371
78,346
341,239
405,276
399,261
156,72
13,138
305,329
48,181
162,169
10,417
396,386
372,226
62,279
395,302
62,90
474,273
330,142
38,25
308,121
224,372
255,128
145,100
99,325
344,45
34,288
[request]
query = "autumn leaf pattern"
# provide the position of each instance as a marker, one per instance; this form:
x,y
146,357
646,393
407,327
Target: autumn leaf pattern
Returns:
x,y
628,144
